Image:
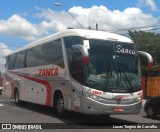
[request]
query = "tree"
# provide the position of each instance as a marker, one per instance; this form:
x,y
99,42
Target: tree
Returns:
x,y
148,42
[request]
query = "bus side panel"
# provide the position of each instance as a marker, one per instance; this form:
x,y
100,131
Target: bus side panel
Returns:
x,y
36,87
8,85
8,88
35,90
32,91
41,94
23,89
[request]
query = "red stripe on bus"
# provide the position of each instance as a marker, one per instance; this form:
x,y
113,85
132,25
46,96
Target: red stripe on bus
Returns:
x,y
47,85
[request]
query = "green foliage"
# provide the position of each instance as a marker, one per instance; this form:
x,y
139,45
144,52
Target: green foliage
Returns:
x,y
148,42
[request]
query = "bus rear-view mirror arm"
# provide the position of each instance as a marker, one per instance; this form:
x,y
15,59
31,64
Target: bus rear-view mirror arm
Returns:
x,y
149,58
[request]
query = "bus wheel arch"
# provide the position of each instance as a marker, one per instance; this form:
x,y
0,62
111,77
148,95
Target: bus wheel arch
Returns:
x,y
58,103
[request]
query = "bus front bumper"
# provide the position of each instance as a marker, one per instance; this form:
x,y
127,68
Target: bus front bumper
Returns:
x,y
91,106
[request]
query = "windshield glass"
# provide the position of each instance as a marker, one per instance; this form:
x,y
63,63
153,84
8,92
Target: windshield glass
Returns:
x,y
113,67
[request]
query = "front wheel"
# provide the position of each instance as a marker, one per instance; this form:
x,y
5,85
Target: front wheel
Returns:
x,y
59,105
151,112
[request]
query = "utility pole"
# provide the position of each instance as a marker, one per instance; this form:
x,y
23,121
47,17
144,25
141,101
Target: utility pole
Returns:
x,y
96,26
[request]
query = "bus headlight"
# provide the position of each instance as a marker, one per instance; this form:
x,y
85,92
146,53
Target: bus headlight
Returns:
x,y
94,97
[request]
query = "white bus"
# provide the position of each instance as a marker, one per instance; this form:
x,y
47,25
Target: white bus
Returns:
x,y
86,71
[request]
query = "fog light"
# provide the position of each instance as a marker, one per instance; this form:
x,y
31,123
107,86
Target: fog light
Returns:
x,y
138,99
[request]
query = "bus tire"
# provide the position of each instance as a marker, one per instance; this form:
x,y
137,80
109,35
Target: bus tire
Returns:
x,y
59,105
16,96
151,112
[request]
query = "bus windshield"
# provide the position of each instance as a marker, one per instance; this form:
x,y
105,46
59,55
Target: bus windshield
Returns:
x,y
113,67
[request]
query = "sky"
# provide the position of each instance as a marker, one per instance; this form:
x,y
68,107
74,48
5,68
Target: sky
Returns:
x,y
24,21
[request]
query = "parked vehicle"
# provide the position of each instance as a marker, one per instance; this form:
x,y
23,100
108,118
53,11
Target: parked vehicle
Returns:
x,y
152,107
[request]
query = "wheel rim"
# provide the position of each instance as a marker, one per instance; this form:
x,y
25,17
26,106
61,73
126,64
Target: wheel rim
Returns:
x,y
150,112
60,105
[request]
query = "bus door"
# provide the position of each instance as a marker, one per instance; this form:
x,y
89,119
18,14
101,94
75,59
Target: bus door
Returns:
x,y
77,73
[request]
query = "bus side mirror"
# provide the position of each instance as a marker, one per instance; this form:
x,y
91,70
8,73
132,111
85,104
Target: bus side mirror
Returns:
x,y
149,58
77,66
84,51
76,63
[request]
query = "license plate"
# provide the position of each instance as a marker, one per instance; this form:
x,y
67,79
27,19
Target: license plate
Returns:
x,y
118,109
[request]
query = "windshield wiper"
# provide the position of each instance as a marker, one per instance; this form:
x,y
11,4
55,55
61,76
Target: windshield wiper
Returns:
x,y
108,75
126,77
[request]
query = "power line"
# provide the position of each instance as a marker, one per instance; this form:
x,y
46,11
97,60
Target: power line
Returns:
x,y
149,26
59,4
152,29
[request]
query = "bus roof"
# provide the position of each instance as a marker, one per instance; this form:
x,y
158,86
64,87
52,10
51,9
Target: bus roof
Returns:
x,y
89,34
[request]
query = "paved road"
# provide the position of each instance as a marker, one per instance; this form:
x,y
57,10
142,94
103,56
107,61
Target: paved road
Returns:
x,y
30,113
